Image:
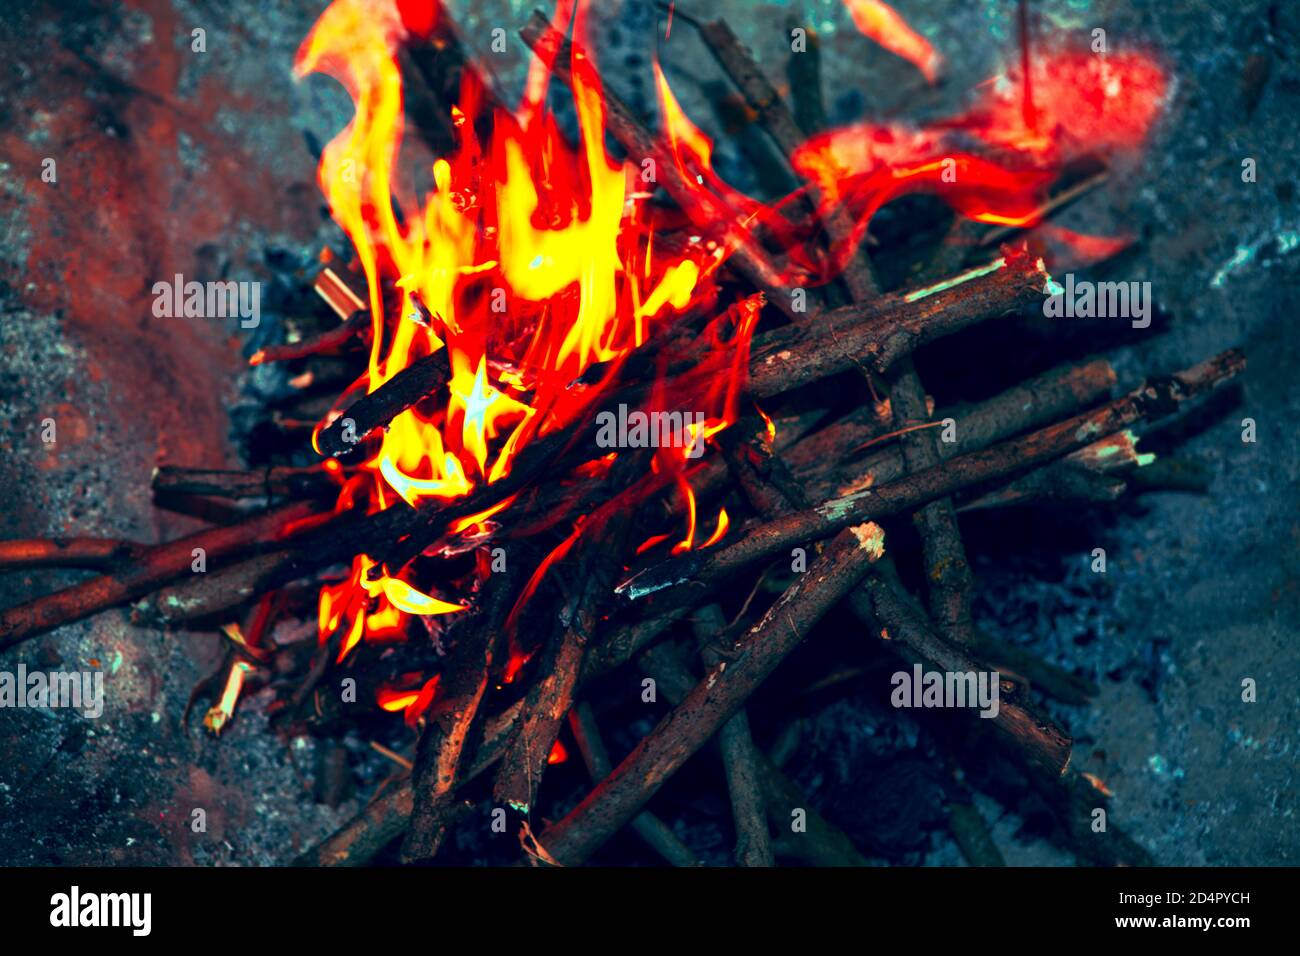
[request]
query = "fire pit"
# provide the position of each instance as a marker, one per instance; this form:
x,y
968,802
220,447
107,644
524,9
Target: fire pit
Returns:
x,y
587,478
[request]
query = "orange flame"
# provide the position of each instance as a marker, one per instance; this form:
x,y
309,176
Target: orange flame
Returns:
x,y
882,23
529,262
536,266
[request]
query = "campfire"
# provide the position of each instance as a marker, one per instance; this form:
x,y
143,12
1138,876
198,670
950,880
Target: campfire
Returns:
x,y
580,425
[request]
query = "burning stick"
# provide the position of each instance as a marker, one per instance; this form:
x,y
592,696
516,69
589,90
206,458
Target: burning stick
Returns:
x,y
620,795
207,596
782,360
416,381
387,817
878,335
776,118
1154,399
338,538
949,575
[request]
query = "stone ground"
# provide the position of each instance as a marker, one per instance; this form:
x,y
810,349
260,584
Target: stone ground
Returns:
x,y
173,161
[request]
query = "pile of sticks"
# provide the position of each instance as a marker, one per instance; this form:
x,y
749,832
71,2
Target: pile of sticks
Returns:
x,y
821,492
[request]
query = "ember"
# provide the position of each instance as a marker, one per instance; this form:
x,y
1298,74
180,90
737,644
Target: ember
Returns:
x,y
587,392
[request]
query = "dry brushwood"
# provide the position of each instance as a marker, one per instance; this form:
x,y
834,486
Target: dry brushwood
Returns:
x,y
818,485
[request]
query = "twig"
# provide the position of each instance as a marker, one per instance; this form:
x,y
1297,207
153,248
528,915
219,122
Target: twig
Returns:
x,y
820,843
551,694
1089,474
971,834
1154,399
947,574
653,832
724,690
334,338
816,461
879,334
449,727
418,380
739,757
280,482
1031,737
386,818
151,569
96,554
